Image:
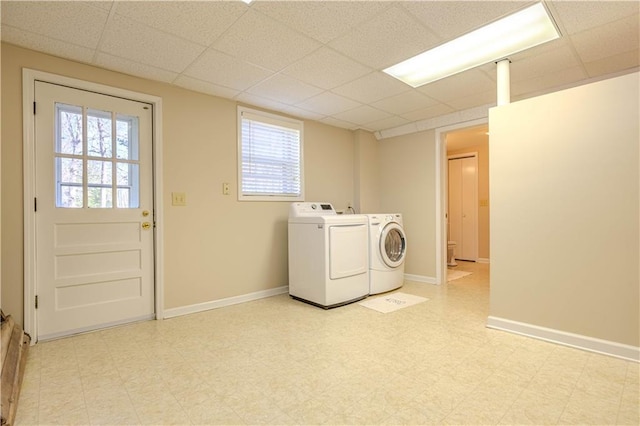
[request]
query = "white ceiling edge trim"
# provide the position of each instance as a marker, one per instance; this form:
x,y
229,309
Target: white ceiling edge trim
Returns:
x,y
470,114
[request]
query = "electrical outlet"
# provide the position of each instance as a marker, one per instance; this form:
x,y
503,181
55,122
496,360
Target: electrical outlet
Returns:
x,y
225,188
178,199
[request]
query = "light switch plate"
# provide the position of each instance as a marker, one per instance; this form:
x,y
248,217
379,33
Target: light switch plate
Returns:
x,y
178,199
225,188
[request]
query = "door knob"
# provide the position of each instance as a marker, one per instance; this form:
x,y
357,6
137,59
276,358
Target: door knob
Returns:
x,y
146,225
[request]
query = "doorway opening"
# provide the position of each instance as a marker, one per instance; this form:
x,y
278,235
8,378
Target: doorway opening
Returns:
x,y
462,197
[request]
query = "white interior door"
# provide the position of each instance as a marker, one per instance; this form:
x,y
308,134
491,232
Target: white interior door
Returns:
x,y
94,217
463,206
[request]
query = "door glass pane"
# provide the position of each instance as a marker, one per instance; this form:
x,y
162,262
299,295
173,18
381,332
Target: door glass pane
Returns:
x,y
68,182
68,129
99,179
99,197
70,196
128,178
99,133
126,137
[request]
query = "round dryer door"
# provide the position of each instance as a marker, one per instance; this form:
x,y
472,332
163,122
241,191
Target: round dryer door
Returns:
x,y
393,245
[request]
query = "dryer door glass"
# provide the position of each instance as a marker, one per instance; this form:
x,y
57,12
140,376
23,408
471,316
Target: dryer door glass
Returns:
x,y
393,247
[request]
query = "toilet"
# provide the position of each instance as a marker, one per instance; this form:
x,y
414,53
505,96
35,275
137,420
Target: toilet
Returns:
x,y
451,247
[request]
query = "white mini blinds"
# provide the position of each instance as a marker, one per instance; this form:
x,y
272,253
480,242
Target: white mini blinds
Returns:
x,y
270,150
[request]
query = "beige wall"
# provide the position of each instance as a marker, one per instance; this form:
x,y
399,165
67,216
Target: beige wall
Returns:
x,y
366,173
483,194
215,247
407,185
565,211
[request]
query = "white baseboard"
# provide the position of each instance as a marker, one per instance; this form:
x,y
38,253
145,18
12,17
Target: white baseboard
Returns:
x,y
420,279
483,260
200,307
591,344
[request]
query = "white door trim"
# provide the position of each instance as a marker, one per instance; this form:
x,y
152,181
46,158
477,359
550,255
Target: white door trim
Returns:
x,y
441,191
29,77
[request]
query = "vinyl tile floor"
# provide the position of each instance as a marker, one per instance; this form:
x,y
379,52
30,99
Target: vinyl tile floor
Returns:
x,y
281,361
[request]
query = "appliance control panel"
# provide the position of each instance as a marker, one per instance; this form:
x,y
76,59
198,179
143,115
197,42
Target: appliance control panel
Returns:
x,y
311,209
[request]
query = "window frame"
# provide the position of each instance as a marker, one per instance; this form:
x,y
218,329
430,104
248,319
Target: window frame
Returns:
x,y
271,119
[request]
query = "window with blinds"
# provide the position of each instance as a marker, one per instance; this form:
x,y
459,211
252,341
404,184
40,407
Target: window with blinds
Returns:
x,y
269,157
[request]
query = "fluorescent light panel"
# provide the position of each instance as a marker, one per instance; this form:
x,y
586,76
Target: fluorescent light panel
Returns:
x,y
514,33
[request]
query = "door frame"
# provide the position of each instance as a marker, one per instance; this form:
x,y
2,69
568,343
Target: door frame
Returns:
x,y
441,203
474,155
29,77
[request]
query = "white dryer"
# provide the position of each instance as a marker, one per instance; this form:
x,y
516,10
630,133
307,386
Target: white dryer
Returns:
x,y
328,255
387,252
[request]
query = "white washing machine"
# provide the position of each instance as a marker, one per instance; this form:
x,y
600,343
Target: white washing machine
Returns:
x,y
387,252
328,255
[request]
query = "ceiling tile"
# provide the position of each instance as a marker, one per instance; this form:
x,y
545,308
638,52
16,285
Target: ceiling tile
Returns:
x,y
301,113
224,70
205,87
488,97
608,39
74,22
198,21
151,47
449,19
326,68
613,64
328,103
372,87
544,63
362,114
404,102
458,86
133,68
546,83
427,113
331,121
321,20
261,102
390,37
577,16
44,44
285,89
258,39
386,123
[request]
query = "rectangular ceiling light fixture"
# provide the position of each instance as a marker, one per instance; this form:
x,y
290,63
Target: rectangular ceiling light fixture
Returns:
x,y
514,33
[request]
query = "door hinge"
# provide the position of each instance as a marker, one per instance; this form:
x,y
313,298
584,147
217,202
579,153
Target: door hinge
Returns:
x,y
34,107
36,301
35,204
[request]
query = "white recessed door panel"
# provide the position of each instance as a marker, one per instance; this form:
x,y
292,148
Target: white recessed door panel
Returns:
x,y
463,206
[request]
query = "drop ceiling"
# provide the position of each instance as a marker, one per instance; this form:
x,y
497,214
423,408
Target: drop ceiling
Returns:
x,y
323,60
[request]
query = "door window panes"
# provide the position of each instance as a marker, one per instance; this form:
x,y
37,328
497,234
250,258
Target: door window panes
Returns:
x,y
127,142
99,131
69,129
127,179
88,174
69,182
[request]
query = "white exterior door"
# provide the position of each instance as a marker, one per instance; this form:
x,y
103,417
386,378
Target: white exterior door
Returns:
x,y
463,206
94,218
